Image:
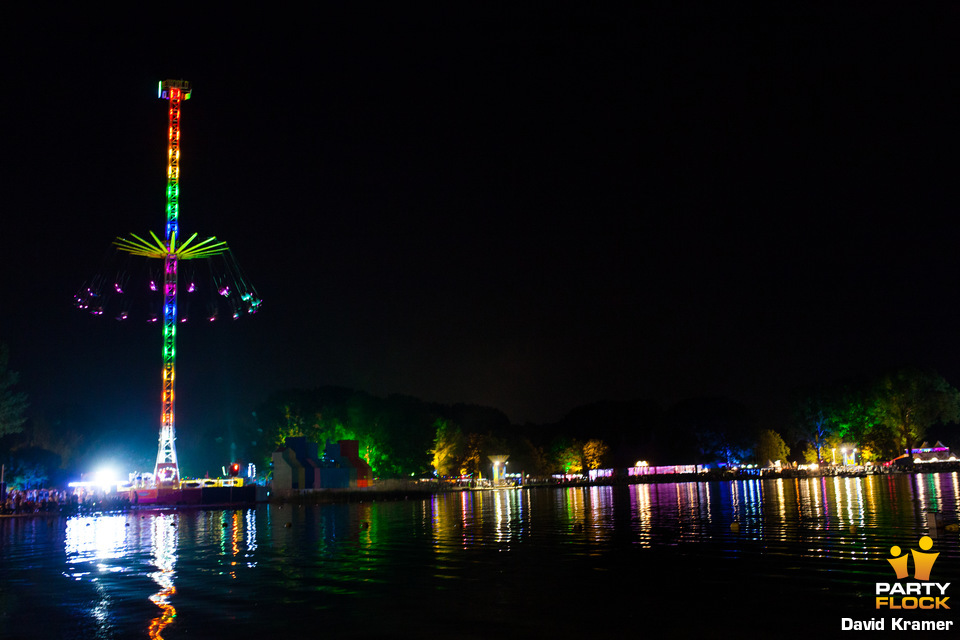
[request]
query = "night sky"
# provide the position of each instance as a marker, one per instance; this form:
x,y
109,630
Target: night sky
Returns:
x,y
526,208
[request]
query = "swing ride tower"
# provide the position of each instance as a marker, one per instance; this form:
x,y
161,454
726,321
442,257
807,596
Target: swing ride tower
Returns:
x,y
167,469
172,252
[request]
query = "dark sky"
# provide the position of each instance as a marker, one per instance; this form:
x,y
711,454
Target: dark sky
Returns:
x,y
527,208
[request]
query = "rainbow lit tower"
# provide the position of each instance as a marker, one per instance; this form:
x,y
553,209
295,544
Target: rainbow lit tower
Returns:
x,y
172,252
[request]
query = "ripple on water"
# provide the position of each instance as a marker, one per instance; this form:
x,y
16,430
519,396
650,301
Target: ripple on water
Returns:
x,y
551,561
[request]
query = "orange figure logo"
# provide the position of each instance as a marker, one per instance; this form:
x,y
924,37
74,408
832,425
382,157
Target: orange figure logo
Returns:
x,y
922,562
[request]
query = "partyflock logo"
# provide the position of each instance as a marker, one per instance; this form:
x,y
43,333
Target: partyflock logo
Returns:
x,y
918,596
913,595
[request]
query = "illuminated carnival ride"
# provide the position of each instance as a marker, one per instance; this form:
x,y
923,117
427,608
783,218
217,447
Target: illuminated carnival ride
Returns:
x,y
146,276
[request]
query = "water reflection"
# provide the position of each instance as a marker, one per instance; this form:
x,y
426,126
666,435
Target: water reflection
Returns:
x,y
92,546
827,517
115,552
236,533
190,572
98,546
164,547
94,540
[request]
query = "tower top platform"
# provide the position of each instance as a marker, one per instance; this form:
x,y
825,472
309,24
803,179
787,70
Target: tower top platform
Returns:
x,y
163,90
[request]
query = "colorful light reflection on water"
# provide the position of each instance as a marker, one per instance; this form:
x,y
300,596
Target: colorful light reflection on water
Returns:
x,y
468,557
164,544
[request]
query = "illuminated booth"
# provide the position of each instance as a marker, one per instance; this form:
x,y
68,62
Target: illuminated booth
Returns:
x,y
937,453
295,469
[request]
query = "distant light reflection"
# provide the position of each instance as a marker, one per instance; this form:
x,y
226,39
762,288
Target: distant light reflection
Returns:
x,y
95,541
601,507
498,509
164,547
735,500
466,517
641,507
575,508
90,538
251,535
956,489
782,504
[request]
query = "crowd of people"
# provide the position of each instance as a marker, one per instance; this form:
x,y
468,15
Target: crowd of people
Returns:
x,y
35,501
39,501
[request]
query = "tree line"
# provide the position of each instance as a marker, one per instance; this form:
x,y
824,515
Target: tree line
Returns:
x,y
883,417
403,436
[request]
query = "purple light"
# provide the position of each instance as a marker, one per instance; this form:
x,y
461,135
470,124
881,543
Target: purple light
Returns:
x,y
191,288
116,285
153,286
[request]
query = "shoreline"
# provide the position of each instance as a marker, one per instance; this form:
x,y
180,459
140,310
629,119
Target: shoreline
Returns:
x,y
392,490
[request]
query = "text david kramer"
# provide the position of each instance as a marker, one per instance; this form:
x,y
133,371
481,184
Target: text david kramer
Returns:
x,y
896,624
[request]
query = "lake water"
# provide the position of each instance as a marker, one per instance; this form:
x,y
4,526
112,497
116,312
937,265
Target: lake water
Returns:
x,y
787,558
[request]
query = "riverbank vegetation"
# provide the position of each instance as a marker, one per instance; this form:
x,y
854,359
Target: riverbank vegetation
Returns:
x,y
406,437
403,436
881,417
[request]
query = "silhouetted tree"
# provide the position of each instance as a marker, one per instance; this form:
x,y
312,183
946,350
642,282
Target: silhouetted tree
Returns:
x,y
448,449
716,430
532,459
13,404
594,454
814,414
473,455
909,401
567,454
771,447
